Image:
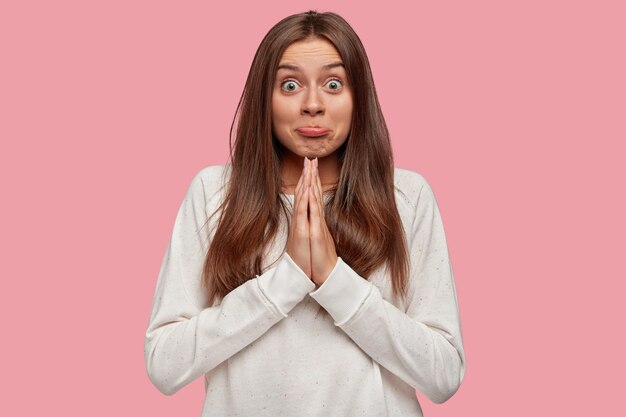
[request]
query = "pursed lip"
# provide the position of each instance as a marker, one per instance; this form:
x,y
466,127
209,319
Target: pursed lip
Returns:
x,y
312,130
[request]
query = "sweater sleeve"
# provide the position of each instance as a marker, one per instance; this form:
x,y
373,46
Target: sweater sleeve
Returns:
x,y
186,339
423,345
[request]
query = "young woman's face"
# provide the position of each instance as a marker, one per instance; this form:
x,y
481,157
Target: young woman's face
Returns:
x,y
311,90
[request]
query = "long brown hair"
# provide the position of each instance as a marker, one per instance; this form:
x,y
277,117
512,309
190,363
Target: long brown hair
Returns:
x,y
361,213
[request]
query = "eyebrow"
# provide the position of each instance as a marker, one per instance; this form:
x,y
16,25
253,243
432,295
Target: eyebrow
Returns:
x,y
297,69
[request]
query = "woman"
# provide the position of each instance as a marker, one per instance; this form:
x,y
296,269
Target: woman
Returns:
x,y
324,287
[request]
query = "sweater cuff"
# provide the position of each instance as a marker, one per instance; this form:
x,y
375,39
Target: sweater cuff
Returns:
x,y
287,286
343,292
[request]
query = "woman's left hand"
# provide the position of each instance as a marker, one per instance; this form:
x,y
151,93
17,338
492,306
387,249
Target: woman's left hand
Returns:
x,y
323,253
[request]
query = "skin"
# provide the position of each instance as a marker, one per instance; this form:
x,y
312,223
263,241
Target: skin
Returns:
x,y
310,243
312,96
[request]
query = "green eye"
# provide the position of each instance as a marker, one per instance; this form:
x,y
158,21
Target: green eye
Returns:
x,y
336,83
291,85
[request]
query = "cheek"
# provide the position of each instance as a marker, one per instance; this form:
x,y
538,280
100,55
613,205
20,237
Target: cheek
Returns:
x,y
343,112
280,110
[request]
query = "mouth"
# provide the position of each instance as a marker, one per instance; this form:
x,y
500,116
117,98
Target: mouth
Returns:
x,y
313,131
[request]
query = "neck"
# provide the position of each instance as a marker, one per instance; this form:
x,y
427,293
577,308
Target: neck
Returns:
x,y
292,166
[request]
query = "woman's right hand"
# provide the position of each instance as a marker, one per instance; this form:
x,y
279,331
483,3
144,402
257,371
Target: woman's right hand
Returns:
x,y
298,244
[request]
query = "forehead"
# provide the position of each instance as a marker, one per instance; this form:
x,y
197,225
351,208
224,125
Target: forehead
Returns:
x,y
312,51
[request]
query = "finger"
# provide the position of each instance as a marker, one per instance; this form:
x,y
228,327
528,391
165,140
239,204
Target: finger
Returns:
x,y
316,185
317,177
314,224
302,210
315,236
306,171
309,175
299,184
302,205
320,219
300,181
318,189
304,223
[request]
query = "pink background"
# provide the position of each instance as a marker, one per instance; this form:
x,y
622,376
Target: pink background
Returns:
x,y
515,112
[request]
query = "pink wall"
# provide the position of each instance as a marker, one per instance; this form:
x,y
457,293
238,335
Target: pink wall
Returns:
x,y
515,114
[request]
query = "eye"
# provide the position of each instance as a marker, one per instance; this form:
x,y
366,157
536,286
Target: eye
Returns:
x,y
291,85
335,84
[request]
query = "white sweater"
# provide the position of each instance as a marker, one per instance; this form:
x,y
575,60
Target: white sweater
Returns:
x,y
263,351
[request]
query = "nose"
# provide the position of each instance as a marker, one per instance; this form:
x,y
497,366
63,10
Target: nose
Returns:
x,y
312,104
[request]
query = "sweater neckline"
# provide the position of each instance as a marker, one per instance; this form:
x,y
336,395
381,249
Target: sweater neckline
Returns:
x,y
291,196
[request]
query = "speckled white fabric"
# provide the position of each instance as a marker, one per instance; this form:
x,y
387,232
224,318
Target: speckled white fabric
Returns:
x,y
265,351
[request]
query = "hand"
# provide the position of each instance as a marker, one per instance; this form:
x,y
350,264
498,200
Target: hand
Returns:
x,y
298,246
313,229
